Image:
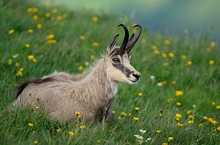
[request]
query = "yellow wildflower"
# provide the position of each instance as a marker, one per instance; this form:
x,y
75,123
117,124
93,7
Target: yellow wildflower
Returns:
x,y
80,68
123,114
140,94
30,124
178,93
71,133
158,131
46,4
35,17
156,51
164,143
35,142
143,41
39,26
17,64
119,118
51,36
113,112
189,63
58,130
179,124
170,100
165,64
218,107
82,37
77,113
200,125
9,61
212,44
59,18
98,141
47,15
51,41
178,103
171,55
205,117
211,62
82,126
27,45
95,19
30,31
166,42
164,55
213,103
173,83
170,139
218,128
136,108
11,31
54,11
32,58
135,118
183,57
95,44
154,47
190,122
35,10
19,74
92,57
30,10
189,112
177,117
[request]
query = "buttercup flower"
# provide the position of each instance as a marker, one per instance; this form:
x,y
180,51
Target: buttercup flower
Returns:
x,y
179,124
135,118
71,133
82,126
9,61
140,94
170,139
11,31
179,93
30,31
30,124
166,42
35,142
80,68
95,19
171,55
211,62
27,45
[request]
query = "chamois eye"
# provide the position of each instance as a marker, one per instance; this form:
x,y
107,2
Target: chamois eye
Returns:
x,y
116,60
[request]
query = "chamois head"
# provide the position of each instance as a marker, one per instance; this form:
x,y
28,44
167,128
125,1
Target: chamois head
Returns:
x,y
119,68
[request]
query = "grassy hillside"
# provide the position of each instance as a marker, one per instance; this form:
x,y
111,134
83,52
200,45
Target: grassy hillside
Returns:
x,y
176,102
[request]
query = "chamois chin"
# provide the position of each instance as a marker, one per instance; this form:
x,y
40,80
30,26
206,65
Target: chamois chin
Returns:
x,y
61,95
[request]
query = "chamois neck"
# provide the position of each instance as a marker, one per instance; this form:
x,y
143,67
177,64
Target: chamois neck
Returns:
x,y
97,75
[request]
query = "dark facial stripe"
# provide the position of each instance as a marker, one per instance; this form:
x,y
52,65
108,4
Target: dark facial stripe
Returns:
x,y
122,68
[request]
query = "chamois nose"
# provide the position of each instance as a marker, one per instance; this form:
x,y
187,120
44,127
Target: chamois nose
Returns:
x,y
137,76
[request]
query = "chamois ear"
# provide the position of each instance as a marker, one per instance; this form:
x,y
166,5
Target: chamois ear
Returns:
x,y
112,44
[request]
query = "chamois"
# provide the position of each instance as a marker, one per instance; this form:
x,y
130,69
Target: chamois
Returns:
x,y
61,95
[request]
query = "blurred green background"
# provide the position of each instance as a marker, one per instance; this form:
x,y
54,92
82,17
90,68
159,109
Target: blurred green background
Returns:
x,y
163,16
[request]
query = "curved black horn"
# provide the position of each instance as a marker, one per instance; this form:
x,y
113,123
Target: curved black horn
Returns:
x,y
133,38
125,41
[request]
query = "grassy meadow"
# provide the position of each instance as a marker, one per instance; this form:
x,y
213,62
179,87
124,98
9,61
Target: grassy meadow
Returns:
x,y
177,100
